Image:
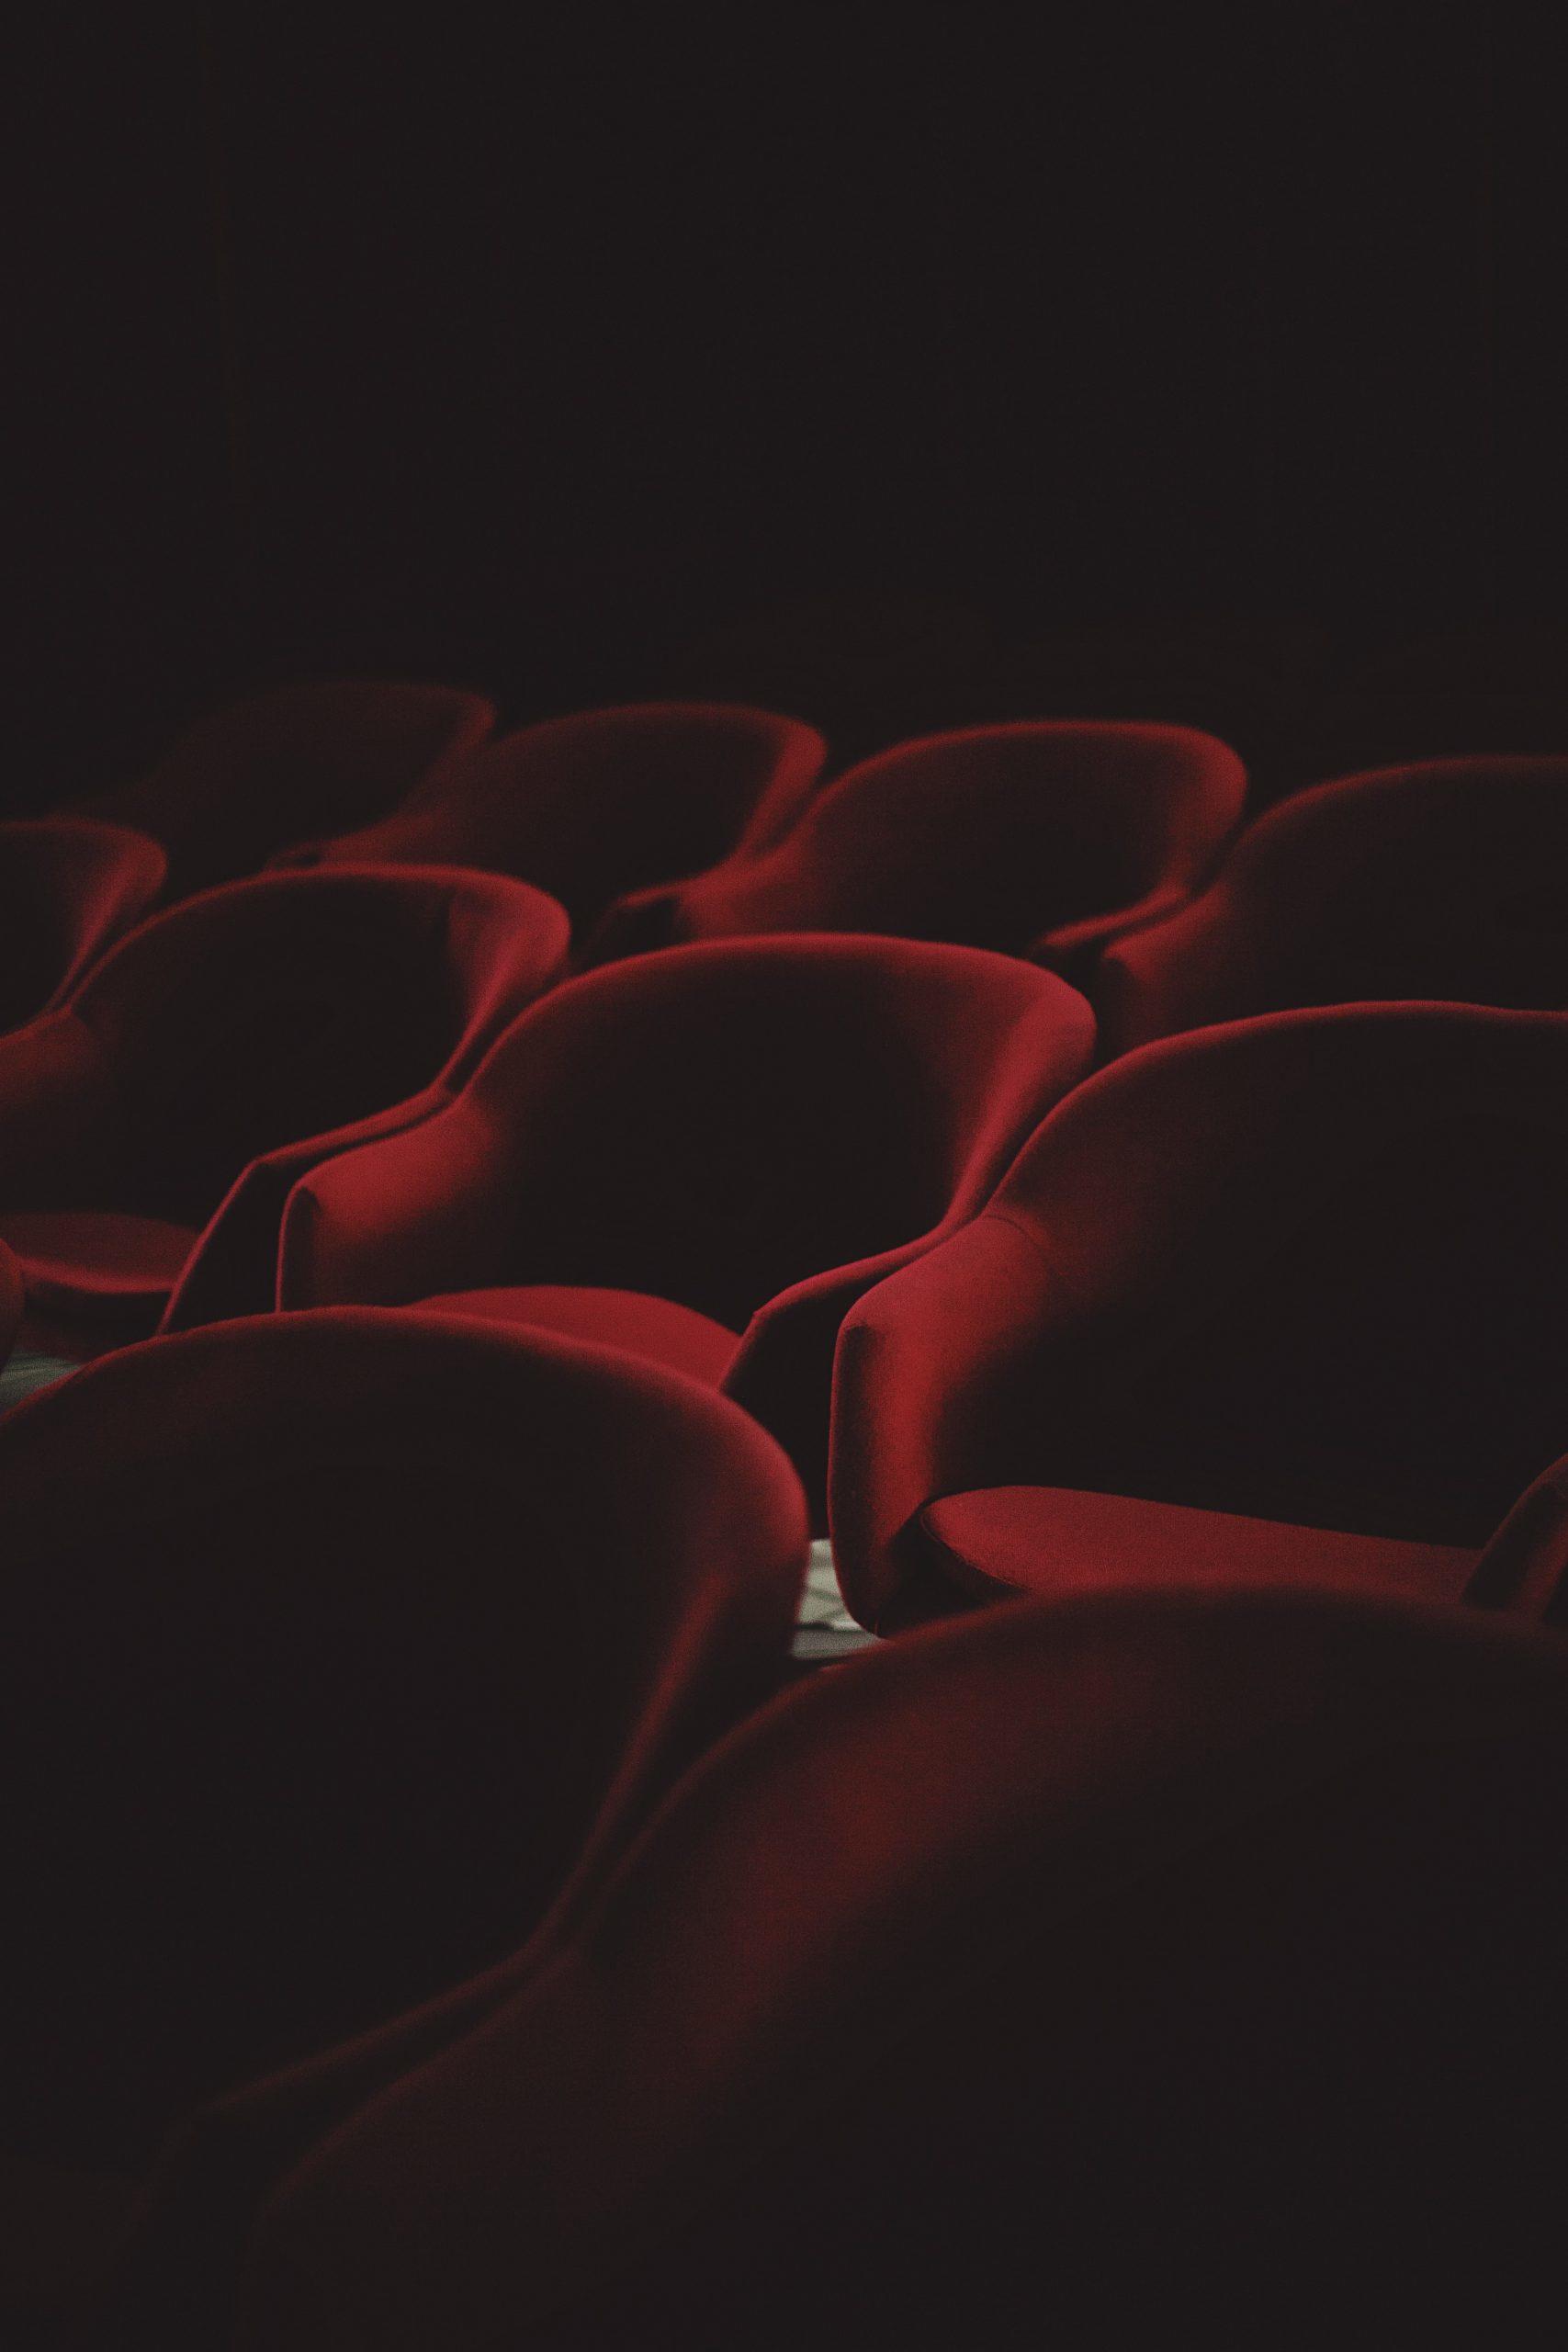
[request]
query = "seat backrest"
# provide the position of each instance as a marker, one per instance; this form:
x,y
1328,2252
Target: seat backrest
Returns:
x,y
987,837
604,801
718,1123
1433,881
272,1009
250,778
68,888
1023,1971
1312,1266
330,1636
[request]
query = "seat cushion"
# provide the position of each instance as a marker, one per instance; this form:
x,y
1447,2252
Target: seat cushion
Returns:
x,y
1057,1539
654,1328
98,1261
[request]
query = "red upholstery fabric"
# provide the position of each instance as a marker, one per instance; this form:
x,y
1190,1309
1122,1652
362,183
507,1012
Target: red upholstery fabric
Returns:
x,y
655,1328
754,1131
224,1048
334,1643
68,890
605,800
247,779
1311,1268
987,837
1049,1540
1075,1964
1434,881
119,1263
11,1291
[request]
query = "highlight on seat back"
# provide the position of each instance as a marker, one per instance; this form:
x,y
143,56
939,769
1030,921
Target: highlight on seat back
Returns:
x,y
990,837
335,1645
246,779
1438,880
1275,1301
1041,1966
707,1155
68,890
222,1048
604,801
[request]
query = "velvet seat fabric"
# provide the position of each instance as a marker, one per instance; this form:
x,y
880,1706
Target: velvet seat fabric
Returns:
x,y
100,1260
1033,1971
1043,1539
655,1328
247,779
750,1131
1309,1269
604,801
1432,881
68,890
1053,834
12,1293
335,1643
152,1124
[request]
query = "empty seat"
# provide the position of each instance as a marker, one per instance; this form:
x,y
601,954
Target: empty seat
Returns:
x,y
990,838
604,801
1016,1982
68,888
1444,879
335,1645
245,780
150,1125
706,1156
1279,1300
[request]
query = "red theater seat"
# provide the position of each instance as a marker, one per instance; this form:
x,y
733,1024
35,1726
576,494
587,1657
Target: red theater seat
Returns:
x,y
152,1124
1019,1983
989,837
707,1155
247,779
68,888
329,1640
604,801
1279,1300
1449,880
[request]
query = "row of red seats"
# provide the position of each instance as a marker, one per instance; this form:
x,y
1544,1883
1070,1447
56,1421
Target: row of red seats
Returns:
x,y
663,823
1235,1354
710,1155
1305,1270
419,1935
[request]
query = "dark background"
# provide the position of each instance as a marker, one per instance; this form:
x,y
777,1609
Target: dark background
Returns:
x,y
517,357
